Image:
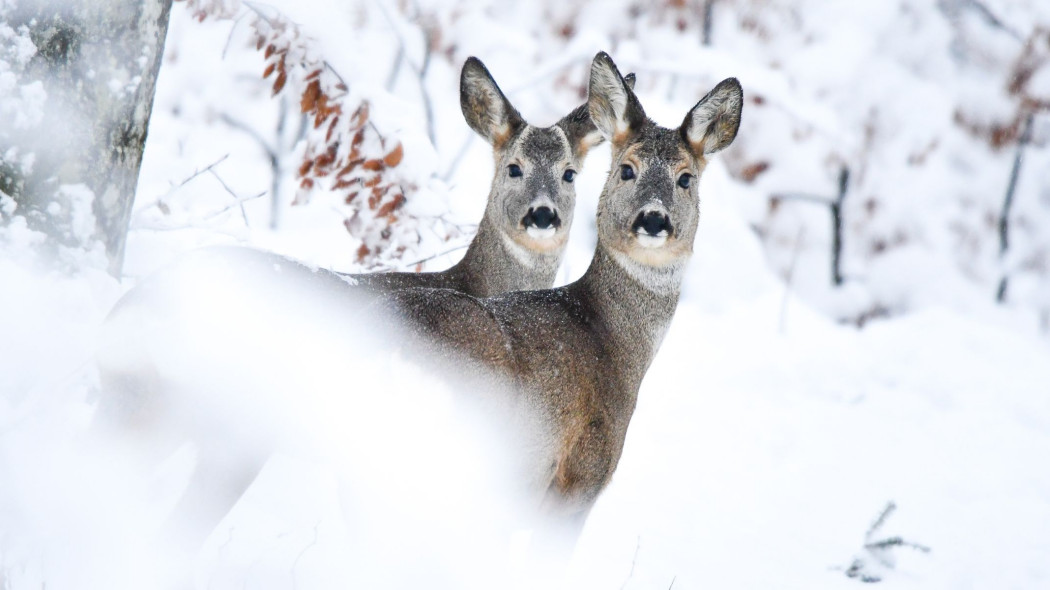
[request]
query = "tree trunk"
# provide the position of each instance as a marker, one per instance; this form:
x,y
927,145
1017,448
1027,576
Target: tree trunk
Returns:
x,y
98,62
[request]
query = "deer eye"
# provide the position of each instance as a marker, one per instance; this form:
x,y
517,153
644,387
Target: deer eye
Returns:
x,y
569,175
514,170
684,180
626,172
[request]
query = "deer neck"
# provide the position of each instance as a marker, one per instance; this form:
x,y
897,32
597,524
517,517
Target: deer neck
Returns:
x,y
634,303
495,264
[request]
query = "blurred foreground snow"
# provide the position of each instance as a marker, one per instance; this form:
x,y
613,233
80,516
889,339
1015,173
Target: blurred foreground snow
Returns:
x,y
767,435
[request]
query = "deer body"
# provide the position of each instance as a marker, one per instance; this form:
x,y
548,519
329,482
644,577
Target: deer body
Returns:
x,y
575,356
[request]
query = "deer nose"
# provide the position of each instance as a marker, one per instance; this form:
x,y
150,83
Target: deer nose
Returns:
x,y
653,223
541,218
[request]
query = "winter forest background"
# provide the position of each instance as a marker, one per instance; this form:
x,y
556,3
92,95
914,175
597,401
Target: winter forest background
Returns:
x,y
865,324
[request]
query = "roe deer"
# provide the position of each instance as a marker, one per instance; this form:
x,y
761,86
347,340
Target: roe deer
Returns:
x,y
575,356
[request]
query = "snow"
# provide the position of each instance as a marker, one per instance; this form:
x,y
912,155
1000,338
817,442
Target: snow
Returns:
x,y
771,430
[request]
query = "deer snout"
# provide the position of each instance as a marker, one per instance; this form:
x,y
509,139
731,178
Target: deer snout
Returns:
x,y
652,223
541,222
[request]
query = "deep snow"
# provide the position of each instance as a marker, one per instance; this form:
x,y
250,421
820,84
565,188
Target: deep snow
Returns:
x,y
768,435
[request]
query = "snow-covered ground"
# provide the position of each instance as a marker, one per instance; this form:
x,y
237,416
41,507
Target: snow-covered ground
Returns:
x,y
769,435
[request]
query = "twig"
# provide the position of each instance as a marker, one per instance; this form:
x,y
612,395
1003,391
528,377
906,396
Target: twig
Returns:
x,y
295,563
836,224
673,580
816,199
1008,200
546,71
428,107
705,38
896,542
240,126
880,520
420,70
229,38
192,176
391,79
789,279
454,165
634,562
433,256
237,200
993,20
835,208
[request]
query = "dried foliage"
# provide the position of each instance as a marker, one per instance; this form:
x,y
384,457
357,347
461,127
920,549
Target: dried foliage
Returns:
x,y
1034,56
345,152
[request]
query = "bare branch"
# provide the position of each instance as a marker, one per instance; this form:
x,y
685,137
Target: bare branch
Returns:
x,y
433,256
1008,200
634,562
456,161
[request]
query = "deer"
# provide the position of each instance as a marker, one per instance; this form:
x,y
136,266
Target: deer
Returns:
x,y
574,357
519,245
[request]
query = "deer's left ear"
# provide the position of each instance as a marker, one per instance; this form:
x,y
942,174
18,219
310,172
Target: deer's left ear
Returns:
x,y
712,124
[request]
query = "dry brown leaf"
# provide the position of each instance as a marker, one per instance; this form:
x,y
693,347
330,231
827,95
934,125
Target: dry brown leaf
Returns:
x,y
360,116
373,165
394,157
278,84
331,129
391,205
309,99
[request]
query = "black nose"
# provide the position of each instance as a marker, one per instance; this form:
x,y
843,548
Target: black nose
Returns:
x,y
652,223
542,218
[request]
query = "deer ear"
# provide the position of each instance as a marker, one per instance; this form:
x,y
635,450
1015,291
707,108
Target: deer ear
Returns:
x,y
486,109
612,104
712,124
580,129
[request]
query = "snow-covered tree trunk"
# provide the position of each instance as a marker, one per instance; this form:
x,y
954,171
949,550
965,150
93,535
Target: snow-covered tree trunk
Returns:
x,y
98,64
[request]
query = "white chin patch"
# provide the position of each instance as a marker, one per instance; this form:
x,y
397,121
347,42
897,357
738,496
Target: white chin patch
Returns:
x,y
647,241
540,234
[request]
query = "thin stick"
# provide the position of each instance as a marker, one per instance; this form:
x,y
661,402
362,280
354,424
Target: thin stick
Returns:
x,y
429,258
789,279
634,562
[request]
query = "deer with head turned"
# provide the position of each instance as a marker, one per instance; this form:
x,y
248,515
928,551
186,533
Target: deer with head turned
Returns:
x,y
575,356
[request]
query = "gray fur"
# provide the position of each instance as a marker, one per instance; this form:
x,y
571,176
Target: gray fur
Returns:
x,y
576,355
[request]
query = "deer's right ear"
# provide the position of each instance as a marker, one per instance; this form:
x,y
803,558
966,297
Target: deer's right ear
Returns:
x,y
613,106
486,109
580,128
712,124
